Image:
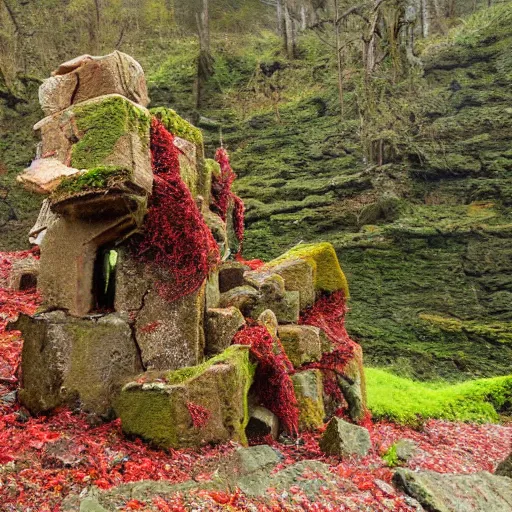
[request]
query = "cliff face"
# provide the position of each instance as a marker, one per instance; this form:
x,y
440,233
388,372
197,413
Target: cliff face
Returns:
x,y
427,245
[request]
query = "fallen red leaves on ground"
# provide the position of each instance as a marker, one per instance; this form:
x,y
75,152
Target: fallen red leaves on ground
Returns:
x,y
42,460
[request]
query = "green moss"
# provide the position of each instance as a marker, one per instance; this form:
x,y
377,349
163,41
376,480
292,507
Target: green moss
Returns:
x,y
497,332
212,167
178,126
101,177
101,124
231,354
391,457
406,401
322,257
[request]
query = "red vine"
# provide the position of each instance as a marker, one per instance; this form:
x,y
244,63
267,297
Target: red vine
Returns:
x,y
223,195
176,237
272,382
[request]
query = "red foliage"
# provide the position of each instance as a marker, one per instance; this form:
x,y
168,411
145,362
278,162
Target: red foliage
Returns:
x,y
272,382
223,195
328,314
176,237
199,414
252,264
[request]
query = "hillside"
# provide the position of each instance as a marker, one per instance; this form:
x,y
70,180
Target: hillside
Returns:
x,y
426,240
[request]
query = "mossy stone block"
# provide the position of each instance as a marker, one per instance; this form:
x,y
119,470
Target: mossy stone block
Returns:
x,y
328,276
301,343
157,406
308,386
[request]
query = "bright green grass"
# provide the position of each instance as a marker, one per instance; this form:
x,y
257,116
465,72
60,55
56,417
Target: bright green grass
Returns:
x,y
406,401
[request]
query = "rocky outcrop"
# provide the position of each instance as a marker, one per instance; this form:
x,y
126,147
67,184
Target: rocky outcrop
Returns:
x,y
480,492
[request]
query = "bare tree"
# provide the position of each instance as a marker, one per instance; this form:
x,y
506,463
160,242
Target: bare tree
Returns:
x,y
205,59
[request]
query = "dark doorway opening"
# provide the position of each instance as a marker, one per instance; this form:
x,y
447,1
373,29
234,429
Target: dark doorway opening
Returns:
x,y
28,282
104,279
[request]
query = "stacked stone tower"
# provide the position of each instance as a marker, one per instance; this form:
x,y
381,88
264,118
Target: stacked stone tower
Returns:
x,y
106,341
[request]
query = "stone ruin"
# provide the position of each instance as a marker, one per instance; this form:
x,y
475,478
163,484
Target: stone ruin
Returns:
x,y
106,341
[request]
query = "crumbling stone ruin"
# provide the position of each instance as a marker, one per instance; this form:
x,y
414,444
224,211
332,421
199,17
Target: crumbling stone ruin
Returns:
x,y
145,315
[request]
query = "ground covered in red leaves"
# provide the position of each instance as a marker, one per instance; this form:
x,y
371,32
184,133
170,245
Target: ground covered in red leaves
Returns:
x,y
42,460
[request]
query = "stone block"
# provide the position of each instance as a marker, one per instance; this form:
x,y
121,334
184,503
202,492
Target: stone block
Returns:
x,y
243,298
75,362
308,388
301,343
345,439
221,327
87,77
321,257
68,255
108,137
188,164
192,406
505,467
212,290
298,276
353,385
44,175
262,422
269,320
231,275
171,334
286,308
436,492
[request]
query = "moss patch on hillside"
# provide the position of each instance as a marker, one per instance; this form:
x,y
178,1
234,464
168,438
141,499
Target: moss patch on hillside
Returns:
x,y
405,401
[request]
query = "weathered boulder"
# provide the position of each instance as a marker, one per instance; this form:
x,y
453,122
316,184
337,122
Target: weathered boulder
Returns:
x,y
271,286
88,77
345,439
231,275
243,298
436,492
191,406
262,422
353,385
405,449
301,343
268,320
221,327
505,467
308,388
44,175
75,362
188,164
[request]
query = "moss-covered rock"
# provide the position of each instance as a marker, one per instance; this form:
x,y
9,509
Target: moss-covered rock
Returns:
x,y
308,386
301,343
345,440
328,276
191,406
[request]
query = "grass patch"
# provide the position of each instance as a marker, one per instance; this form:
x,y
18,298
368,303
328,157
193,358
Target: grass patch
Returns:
x,y
405,401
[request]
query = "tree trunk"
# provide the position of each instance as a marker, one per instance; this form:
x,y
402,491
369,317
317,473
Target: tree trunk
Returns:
x,y
339,58
280,18
205,59
290,33
425,18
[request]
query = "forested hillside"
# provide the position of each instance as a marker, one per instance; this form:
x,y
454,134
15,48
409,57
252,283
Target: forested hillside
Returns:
x,y
383,127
